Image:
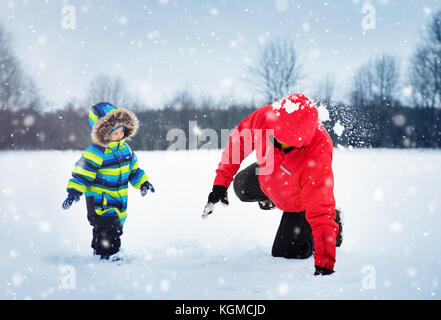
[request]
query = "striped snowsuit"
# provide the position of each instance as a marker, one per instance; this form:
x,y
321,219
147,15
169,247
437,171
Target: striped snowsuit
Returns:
x,y
104,174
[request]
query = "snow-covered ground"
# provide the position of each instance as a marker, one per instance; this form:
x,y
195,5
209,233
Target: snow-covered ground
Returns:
x,y
391,200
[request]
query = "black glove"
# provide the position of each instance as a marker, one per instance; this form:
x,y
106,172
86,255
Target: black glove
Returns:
x,y
146,186
218,193
71,197
319,271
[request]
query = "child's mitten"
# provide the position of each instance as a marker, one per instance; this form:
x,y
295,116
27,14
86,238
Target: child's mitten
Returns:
x,y
71,197
146,186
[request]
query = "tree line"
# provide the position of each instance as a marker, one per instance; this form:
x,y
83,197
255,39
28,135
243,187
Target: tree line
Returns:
x,y
362,127
386,107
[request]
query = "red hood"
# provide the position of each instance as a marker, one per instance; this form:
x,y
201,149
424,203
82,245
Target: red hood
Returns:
x,y
294,120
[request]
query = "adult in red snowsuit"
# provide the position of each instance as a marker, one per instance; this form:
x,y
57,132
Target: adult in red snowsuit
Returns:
x,y
293,173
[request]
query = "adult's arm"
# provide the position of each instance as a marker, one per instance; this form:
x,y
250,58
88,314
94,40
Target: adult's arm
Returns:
x,y
318,195
240,144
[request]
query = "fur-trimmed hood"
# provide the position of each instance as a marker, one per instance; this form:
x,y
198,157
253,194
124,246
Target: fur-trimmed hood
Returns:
x,y
103,117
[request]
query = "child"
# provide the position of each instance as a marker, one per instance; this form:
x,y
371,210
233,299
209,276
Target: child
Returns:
x,y
102,175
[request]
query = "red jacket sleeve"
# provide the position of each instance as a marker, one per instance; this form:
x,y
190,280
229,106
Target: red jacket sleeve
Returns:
x,y
318,196
240,144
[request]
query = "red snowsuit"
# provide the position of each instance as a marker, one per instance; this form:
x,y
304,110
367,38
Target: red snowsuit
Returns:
x,y
300,180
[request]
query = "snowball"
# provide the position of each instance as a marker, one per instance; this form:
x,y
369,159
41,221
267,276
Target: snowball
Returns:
x,y
323,113
338,128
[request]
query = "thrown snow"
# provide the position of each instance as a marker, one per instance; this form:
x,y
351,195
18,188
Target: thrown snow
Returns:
x,y
288,105
338,128
278,104
291,107
323,113
390,247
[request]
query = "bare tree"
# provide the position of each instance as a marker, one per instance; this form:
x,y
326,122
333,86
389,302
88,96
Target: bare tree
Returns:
x,y
422,76
362,86
386,77
326,88
425,67
276,70
17,90
376,80
182,99
108,89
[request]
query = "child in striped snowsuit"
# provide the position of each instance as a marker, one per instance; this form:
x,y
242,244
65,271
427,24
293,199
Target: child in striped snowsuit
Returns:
x,y
102,174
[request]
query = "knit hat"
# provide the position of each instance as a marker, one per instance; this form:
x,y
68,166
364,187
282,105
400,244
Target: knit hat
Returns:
x,y
294,120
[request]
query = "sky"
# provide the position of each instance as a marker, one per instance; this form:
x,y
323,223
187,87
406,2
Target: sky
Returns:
x,y
161,46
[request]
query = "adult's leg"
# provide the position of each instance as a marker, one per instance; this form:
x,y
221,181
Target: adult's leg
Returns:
x,y
294,237
246,185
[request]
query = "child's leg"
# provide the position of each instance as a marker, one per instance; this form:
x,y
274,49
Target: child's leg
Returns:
x,y
107,230
106,235
122,221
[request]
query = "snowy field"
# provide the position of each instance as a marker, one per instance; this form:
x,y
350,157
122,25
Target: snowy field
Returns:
x,y
391,201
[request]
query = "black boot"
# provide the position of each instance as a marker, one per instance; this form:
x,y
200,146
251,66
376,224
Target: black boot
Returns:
x,y
266,205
